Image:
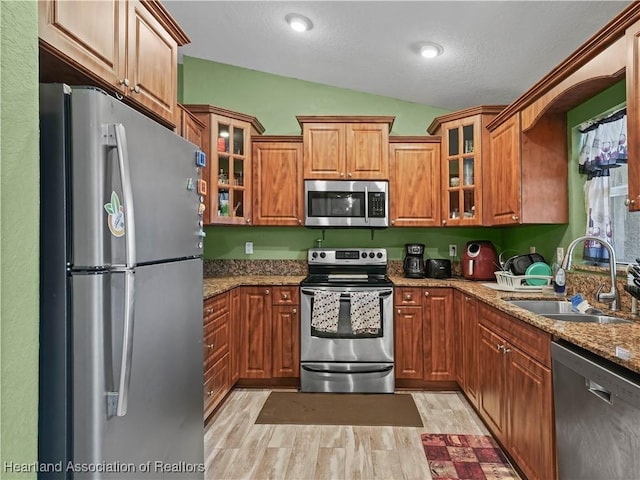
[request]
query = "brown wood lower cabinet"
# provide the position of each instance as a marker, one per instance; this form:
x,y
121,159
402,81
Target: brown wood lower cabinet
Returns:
x,y
466,344
423,333
270,325
217,374
515,397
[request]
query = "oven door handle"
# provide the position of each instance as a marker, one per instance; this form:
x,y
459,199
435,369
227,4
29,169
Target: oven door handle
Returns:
x,y
383,293
348,369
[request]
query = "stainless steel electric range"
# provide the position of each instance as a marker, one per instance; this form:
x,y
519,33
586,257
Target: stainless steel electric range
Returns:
x,y
346,342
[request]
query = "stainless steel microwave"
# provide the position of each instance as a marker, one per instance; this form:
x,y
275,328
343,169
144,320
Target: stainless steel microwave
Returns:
x,y
346,203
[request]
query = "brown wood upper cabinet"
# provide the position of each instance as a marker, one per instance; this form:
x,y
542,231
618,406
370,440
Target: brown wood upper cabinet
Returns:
x,y
465,149
189,126
227,143
527,172
278,197
128,47
633,114
346,148
414,164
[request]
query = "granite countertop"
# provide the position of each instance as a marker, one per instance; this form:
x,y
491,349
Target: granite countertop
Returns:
x,y
216,285
619,342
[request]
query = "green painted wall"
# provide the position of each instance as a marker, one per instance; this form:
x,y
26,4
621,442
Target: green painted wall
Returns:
x,y
19,231
276,100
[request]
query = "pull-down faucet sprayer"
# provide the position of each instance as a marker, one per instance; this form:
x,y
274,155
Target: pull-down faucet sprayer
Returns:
x,y
612,297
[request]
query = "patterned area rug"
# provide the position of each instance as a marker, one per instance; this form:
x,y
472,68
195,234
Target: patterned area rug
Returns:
x,y
469,457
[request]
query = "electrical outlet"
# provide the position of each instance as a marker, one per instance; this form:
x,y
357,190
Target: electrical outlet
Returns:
x,y
453,250
532,249
248,248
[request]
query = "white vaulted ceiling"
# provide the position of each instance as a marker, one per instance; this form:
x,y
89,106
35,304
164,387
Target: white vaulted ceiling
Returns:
x,y
493,50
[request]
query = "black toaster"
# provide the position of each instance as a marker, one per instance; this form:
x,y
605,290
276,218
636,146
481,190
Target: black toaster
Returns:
x,y
437,268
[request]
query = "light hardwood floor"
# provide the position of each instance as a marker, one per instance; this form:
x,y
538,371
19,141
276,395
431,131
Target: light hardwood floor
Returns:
x,y
237,448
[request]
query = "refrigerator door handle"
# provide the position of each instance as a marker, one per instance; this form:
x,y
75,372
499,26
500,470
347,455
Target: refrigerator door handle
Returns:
x,y
127,194
118,400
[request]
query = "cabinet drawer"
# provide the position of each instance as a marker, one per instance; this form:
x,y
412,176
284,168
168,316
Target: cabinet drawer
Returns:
x,y
216,306
216,344
216,383
527,338
408,296
289,295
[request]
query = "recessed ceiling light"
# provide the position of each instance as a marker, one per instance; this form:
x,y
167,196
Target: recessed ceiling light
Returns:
x,y
298,22
431,50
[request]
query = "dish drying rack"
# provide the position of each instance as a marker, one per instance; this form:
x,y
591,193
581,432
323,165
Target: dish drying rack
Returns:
x,y
519,282
633,290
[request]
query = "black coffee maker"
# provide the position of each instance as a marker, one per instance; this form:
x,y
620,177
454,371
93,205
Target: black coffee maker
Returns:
x,y
413,264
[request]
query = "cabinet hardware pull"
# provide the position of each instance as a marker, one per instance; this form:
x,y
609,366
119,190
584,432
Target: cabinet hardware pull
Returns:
x,y
209,310
506,350
628,202
349,174
514,217
393,222
248,220
210,393
266,292
426,294
299,222
285,296
408,297
500,347
295,310
398,311
211,346
124,81
342,174
135,89
444,222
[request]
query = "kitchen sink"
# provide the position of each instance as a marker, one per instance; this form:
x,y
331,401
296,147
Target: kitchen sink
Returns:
x,y
585,318
561,310
543,307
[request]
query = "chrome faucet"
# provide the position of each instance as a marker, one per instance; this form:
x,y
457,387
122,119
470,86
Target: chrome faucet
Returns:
x,y
612,297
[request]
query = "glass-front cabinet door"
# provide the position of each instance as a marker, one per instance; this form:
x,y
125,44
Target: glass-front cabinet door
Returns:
x,y
227,144
230,200
464,147
461,173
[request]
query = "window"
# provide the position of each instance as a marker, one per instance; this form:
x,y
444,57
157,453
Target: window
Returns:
x,y
603,161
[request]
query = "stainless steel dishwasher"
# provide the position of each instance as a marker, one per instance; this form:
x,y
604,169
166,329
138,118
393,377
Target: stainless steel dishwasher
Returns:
x,y
597,415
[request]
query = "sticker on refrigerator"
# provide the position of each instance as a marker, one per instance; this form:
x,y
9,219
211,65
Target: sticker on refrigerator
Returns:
x,y
115,220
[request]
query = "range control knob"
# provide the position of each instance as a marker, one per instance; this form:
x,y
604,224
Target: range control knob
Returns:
x,y
314,254
379,255
371,254
364,255
322,254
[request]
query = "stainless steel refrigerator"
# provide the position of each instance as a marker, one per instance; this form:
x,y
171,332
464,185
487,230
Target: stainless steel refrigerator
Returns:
x,y
121,382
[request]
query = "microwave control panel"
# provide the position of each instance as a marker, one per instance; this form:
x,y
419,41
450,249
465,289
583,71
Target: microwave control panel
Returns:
x,y
377,205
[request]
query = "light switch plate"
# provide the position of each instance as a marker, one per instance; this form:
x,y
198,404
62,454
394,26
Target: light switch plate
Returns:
x,y
248,248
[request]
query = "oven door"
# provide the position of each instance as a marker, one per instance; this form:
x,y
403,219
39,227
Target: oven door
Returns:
x,y
345,345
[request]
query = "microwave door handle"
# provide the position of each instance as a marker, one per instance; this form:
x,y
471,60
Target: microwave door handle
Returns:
x,y
366,204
